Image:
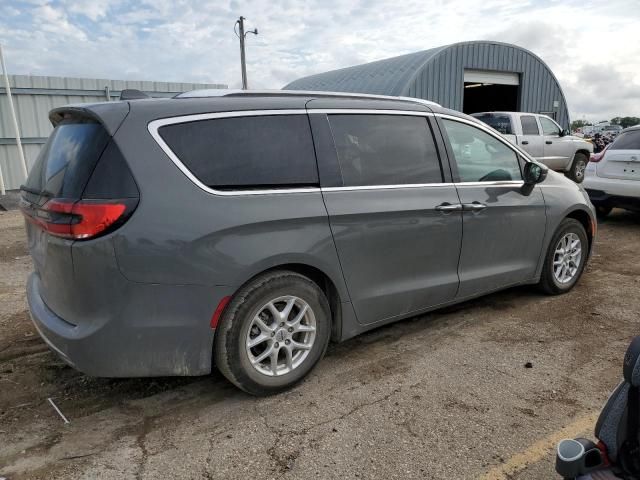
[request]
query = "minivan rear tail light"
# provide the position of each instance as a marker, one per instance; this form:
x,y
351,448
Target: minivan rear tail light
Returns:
x,y
79,219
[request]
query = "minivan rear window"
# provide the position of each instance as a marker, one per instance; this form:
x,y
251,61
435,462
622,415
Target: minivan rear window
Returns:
x,y
266,151
627,141
67,160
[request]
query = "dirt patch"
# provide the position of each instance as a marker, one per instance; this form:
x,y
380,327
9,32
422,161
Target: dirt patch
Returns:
x,y
22,341
29,372
483,379
13,250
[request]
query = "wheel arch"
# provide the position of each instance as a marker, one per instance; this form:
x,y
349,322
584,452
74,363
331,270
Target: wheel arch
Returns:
x,y
321,279
574,159
584,151
587,222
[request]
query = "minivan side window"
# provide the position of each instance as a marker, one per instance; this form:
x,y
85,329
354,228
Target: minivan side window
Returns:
x,y
549,127
246,152
385,149
529,125
480,157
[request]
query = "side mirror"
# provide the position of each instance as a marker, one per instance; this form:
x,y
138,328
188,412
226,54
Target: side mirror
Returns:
x,y
534,173
564,133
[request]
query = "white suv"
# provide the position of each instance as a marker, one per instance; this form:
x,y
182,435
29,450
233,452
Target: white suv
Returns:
x,y
612,177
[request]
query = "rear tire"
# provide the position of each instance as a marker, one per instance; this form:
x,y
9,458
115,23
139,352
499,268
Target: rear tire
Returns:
x,y
290,349
579,165
566,258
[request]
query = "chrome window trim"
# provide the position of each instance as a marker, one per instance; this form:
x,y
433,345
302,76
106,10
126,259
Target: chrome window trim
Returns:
x,y
368,111
385,187
155,125
497,183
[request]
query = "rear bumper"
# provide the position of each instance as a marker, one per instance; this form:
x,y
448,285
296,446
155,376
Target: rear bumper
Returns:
x,y
611,186
602,199
611,192
145,338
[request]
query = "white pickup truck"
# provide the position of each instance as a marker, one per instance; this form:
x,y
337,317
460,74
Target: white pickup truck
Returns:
x,y
543,139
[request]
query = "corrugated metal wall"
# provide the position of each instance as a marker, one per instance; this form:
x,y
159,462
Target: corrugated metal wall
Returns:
x,y
438,75
34,96
442,78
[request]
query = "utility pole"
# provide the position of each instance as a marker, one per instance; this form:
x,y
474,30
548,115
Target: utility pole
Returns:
x,y
243,64
23,162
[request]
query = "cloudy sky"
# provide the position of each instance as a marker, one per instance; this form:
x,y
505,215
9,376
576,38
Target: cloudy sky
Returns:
x,y
592,46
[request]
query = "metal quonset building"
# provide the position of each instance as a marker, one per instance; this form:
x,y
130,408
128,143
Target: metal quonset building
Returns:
x,y
469,77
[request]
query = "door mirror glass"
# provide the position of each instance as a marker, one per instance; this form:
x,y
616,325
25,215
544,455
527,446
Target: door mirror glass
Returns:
x,y
534,173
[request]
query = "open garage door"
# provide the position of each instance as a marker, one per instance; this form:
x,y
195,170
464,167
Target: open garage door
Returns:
x,y
490,91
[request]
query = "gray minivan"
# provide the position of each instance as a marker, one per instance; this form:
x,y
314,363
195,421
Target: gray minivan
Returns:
x,y
247,230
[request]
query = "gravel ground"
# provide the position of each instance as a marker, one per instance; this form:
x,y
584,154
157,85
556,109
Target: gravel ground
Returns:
x,y
445,395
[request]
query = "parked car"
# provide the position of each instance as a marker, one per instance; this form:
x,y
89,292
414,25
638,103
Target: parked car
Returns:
x,y
542,138
613,175
247,230
612,130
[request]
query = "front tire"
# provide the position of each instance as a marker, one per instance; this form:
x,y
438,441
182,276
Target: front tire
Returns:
x,y
578,167
273,332
565,259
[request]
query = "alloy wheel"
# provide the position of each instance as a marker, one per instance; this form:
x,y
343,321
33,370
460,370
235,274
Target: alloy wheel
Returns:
x,y
281,335
567,257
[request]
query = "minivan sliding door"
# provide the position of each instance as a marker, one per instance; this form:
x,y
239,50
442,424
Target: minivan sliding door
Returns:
x,y
394,220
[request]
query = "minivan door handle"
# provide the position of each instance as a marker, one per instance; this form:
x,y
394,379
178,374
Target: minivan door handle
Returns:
x,y
525,142
548,142
447,207
474,207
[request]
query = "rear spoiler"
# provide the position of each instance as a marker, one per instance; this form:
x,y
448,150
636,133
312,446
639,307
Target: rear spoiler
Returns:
x,y
109,114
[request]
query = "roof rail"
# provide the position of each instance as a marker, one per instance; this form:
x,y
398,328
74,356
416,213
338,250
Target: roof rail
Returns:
x,y
307,93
